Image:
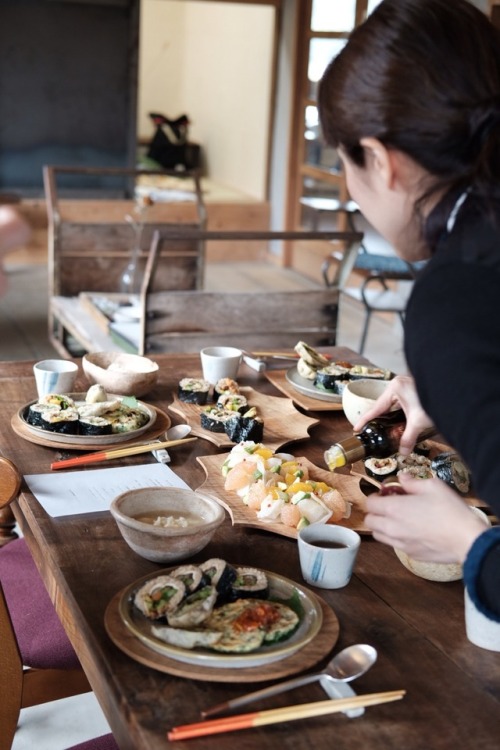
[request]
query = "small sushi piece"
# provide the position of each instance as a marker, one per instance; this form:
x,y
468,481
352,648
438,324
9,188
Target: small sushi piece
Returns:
x,y
95,394
240,428
327,377
214,419
361,372
451,469
381,468
194,610
56,399
250,582
194,390
36,412
191,575
126,420
225,385
186,638
64,421
159,596
233,402
93,426
220,574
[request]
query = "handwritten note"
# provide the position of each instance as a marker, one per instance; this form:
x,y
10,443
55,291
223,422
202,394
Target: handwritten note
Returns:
x,y
68,493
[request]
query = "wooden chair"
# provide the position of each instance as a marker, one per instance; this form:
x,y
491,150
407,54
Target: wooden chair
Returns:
x,y
91,241
37,661
189,320
386,286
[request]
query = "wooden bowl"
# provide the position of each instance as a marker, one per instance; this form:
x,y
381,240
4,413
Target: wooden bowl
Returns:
x,y
124,374
166,543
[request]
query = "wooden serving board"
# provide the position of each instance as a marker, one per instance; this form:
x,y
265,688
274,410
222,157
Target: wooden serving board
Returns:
x,y
283,423
241,514
161,423
308,656
278,379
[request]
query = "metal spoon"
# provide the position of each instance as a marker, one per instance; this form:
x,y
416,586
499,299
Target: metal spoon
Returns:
x,y
347,665
178,432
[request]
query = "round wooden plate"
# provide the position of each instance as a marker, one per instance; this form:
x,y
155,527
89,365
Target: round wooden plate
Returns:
x,y
161,423
311,654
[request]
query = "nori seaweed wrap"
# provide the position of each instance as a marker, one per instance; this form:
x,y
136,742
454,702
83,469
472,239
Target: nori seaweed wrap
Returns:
x,y
214,419
194,390
64,421
250,582
451,469
35,413
327,377
362,372
94,426
240,428
221,575
233,402
381,468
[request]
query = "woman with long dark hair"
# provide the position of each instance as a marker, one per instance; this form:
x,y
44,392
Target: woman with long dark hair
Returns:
x,y
412,103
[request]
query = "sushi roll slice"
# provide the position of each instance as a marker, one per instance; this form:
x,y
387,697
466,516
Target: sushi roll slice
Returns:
x,y
94,426
214,419
225,385
233,402
56,399
194,610
250,582
327,377
159,596
125,419
241,428
191,575
451,469
220,574
381,468
36,412
194,390
64,421
362,372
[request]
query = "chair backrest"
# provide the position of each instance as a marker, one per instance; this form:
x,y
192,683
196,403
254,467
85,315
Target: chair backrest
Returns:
x,y
189,320
91,240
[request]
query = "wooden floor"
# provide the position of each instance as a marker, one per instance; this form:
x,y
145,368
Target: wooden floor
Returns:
x,y
23,310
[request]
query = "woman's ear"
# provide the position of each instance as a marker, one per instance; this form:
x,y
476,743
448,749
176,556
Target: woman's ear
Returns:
x,y
380,161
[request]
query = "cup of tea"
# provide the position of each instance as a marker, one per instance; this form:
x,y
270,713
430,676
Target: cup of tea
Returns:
x,y
219,362
55,376
327,554
480,629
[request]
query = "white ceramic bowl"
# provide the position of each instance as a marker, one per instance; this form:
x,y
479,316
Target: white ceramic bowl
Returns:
x,y
359,395
432,571
121,373
166,543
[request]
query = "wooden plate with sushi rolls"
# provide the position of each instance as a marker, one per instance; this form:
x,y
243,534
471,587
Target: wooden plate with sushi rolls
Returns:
x,y
311,639
144,420
283,423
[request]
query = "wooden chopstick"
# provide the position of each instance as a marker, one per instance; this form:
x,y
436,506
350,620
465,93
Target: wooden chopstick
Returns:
x,y
91,458
276,715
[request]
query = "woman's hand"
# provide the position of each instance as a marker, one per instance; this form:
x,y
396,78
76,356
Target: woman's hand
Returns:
x,y
430,523
400,392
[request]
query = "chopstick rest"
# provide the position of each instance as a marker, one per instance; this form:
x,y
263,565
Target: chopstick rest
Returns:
x,y
91,458
276,715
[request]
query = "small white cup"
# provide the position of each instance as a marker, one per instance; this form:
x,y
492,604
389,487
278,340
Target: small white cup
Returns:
x,y
220,362
323,563
481,631
54,376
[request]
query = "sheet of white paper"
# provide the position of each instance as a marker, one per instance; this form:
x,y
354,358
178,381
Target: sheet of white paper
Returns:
x,y
66,493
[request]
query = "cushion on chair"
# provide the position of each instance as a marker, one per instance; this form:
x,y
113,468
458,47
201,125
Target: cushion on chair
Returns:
x,y
42,640
105,742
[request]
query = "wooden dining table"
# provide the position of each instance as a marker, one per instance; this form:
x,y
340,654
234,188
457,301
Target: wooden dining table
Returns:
x,y
452,698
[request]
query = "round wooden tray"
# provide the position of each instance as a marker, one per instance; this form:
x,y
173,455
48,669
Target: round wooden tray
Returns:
x,y
300,661
161,423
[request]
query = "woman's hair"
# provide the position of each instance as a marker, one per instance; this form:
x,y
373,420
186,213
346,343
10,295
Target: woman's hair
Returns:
x,y
423,77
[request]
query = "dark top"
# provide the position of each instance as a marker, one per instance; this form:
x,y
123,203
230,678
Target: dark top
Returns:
x,y
452,343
